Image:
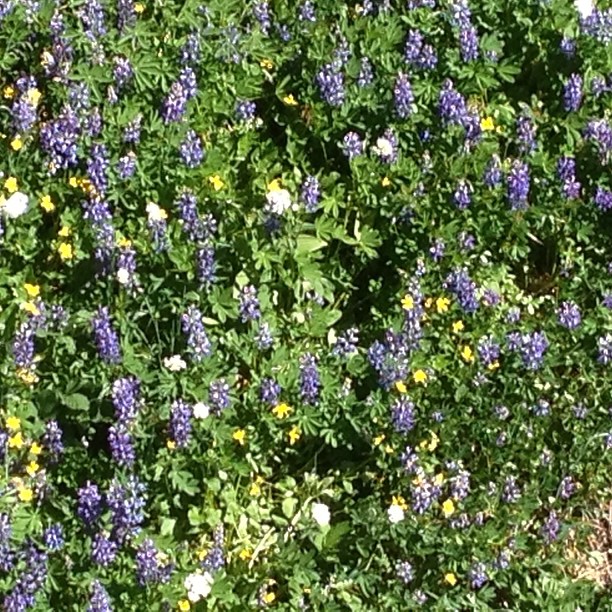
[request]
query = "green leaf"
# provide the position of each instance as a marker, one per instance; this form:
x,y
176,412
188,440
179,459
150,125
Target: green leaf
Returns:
x,y
288,506
309,244
76,401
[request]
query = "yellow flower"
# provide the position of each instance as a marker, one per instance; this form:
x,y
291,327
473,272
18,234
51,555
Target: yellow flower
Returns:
x,y
398,500
27,376
64,231
428,302
73,181
32,290
16,143
434,442
269,597
389,449
458,326
378,440
267,64
294,435
386,181
201,554
400,386
450,578
170,444
139,8
486,124
281,411
245,554
36,448
448,507
407,302
31,308
493,366
13,423
8,91
184,605
32,468
439,478
11,184
467,354
16,441
124,242
46,204
255,488
216,182
25,494
420,376
290,100
33,96
239,436
275,185
65,251
442,304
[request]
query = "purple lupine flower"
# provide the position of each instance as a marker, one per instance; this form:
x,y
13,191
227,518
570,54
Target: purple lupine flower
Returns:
x,y
97,168
468,43
179,428
59,139
92,122
331,85
518,183
606,302
125,395
511,492
403,415
600,132
126,166
245,110
126,15
410,460
269,391
526,133
437,249
218,395
467,241
532,348
23,345
572,93
477,575
126,267
459,283
604,349
451,105
249,304
493,175
386,147
598,86
310,193
346,343
90,503
52,440
149,569
174,105
403,98
462,197
53,537
126,503
215,558
264,338
603,199
191,50
567,487
541,408
191,151
121,445
366,73
103,550
352,145
488,350
99,600
106,338
309,379
197,340
568,47
197,229
131,132
460,485
123,72
490,298
307,12
206,265
404,572
550,528
261,12
97,212
569,315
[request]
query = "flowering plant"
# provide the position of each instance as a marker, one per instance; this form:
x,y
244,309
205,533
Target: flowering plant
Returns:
x,y
303,305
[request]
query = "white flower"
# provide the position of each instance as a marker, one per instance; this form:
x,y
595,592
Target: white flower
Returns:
x,y
384,147
278,201
320,513
154,212
198,585
395,513
174,363
16,205
584,7
123,276
201,411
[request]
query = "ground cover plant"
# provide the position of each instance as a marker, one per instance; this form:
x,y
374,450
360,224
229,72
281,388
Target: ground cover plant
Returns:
x,y
304,305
